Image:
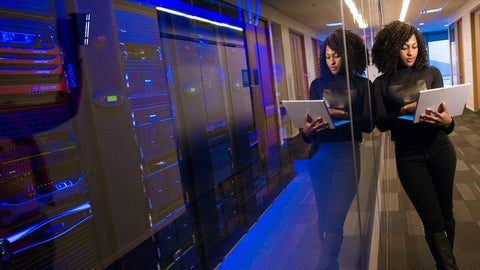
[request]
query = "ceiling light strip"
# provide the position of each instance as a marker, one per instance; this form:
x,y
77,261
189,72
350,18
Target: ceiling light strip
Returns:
x,y
192,17
356,15
433,10
403,13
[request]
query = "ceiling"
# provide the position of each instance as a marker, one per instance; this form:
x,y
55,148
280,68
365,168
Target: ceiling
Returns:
x,y
317,13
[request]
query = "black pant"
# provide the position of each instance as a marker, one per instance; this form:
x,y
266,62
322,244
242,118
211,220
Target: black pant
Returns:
x,y
334,172
427,171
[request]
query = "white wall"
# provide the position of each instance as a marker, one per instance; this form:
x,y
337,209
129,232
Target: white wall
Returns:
x,y
287,24
464,14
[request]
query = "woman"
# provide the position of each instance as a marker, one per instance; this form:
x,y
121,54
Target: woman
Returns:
x,y
334,164
425,156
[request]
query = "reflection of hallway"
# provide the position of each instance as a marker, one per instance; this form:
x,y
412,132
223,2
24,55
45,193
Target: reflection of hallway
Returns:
x,y
285,237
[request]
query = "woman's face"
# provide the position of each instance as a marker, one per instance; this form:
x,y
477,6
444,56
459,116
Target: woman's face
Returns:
x,y
334,61
409,51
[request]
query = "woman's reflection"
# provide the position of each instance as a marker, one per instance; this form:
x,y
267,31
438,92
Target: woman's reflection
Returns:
x,y
334,160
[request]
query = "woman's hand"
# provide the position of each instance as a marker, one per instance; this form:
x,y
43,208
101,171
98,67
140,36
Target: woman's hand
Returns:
x,y
441,117
338,114
312,127
409,108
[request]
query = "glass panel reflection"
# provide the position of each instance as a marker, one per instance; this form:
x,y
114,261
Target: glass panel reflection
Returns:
x,y
157,139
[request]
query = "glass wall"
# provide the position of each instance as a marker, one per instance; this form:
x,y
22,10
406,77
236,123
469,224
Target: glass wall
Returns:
x,y
149,134
357,226
364,207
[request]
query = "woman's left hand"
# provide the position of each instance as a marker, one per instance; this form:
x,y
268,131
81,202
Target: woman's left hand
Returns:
x,y
441,117
338,114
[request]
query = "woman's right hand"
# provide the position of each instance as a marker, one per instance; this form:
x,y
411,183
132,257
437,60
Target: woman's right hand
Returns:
x,y
312,127
409,108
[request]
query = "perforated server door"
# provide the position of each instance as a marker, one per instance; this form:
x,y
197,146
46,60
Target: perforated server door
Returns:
x,y
152,109
107,141
152,113
199,87
209,76
45,213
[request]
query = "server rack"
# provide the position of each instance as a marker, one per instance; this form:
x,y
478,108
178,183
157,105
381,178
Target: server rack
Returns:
x,y
45,213
210,80
142,145
154,123
141,218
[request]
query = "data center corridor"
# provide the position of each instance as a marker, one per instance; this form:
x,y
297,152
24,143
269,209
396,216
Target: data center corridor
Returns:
x,y
285,237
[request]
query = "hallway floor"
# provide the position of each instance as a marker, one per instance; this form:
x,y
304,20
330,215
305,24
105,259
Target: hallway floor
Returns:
x,y
406,248
286,237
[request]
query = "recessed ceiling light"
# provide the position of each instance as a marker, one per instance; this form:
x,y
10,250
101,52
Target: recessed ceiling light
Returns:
x,y
421,23
334,24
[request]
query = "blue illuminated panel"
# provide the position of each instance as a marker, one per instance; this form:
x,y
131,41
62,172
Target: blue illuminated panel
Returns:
x,y
39,7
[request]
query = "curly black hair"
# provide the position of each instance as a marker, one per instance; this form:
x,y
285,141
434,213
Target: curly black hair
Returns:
x,y
356,52
388,42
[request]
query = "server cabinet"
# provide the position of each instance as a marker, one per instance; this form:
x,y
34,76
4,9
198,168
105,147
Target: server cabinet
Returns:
x,y
129,119
154,125
45,212
151,112
209,76
128,136
107,139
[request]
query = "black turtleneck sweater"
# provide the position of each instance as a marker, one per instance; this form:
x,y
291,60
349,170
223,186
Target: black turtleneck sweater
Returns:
x,y
391,92
334,91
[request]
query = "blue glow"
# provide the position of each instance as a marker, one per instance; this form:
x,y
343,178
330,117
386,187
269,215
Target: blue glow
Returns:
x,y
267,228
54,237
63,185
147,82
257,11
248,7
239,11
250,15
169,74
41,7
16,236
408,117
72,79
